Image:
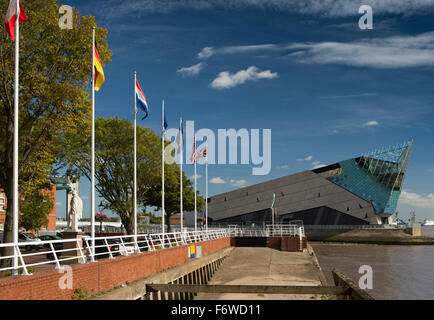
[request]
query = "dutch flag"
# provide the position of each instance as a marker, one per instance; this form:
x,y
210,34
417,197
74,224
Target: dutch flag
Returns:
x,y
141,100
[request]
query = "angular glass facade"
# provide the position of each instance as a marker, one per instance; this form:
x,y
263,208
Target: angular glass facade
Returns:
x,y
376,176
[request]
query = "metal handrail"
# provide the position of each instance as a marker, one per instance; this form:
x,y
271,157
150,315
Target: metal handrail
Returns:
x,y
110,246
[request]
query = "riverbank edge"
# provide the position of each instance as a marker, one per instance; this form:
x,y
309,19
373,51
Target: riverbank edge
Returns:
x,y
321,274
378,241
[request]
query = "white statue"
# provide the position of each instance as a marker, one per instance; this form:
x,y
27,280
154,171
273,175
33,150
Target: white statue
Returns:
x,y
75,209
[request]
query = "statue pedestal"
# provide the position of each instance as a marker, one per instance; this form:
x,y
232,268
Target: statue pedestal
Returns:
x,y
73,245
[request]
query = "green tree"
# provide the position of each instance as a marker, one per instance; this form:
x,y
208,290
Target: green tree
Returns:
x,y
172,193
35,208
55,68
114,170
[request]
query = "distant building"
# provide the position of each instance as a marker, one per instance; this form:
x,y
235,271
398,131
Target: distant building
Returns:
x,y
175,220
362,190
51,215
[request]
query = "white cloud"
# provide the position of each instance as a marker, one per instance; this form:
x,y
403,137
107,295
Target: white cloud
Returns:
x,y
383,53
198,176
226,80
60,204
322,8
308,158
417,200
84,197
317,165
371,124
360,95
208,52
431,170
217,180
284,166
191,71
238,183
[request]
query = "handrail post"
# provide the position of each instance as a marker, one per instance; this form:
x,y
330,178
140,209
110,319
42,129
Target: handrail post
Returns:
x,y
18,253
108,247
55,256
92,255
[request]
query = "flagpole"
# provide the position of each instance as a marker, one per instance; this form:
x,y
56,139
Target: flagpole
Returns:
x,y
195,185
180,175
162,172
16,137
206,189
135,161
92,193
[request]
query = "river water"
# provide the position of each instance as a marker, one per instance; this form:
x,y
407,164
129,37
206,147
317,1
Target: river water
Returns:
x,y
399,272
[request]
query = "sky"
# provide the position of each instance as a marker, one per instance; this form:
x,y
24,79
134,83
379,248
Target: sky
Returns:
x,y
327,89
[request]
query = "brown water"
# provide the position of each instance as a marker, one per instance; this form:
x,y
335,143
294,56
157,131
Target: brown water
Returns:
x,y
399,272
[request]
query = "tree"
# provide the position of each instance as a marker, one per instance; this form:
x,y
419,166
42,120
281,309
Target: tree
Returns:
x,y
35,208
55,68
114,169
172,193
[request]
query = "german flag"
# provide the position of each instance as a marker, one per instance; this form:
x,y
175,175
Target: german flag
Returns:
x,y
99,72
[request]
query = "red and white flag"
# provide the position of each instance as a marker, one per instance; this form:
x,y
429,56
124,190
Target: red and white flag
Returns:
x,y
11,17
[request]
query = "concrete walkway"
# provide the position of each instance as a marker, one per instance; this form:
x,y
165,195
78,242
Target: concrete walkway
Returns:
x,y
265,266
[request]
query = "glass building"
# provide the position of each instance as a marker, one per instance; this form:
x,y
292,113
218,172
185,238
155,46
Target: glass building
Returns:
x,y
362,190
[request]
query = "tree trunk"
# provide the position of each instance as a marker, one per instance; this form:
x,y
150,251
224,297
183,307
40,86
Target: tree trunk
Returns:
x,y
168,222
128,224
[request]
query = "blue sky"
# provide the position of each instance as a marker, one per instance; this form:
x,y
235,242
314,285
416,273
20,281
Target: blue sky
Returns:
x,y
327,89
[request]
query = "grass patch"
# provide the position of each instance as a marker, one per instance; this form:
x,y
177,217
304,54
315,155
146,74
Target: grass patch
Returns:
x,y
328,297
80,294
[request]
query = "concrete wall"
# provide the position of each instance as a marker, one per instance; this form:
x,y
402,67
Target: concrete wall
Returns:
x,y
101,275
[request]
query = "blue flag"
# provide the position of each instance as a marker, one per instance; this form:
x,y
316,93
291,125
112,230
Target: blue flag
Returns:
x,y
165,121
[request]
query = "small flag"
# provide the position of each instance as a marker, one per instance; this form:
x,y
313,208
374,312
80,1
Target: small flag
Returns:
x,y
193,156
11,18
141,100
201,154
99,72
165,121
198,155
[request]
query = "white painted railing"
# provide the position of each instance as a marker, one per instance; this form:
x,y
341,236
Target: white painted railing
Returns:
x,y
267,231
58,252
355,227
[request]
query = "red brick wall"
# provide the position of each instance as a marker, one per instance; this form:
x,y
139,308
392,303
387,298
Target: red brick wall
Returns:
x,y
51,216
102,275
292,244
274,242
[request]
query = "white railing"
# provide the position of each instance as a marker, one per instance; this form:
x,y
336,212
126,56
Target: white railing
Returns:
x,y
267,231
57,252
355,227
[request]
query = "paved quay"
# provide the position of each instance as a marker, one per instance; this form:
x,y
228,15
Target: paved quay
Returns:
x,y
265,266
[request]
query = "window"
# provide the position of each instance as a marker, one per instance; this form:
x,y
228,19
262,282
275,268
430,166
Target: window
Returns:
x,y
360,206
348,208
319,194
282,193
